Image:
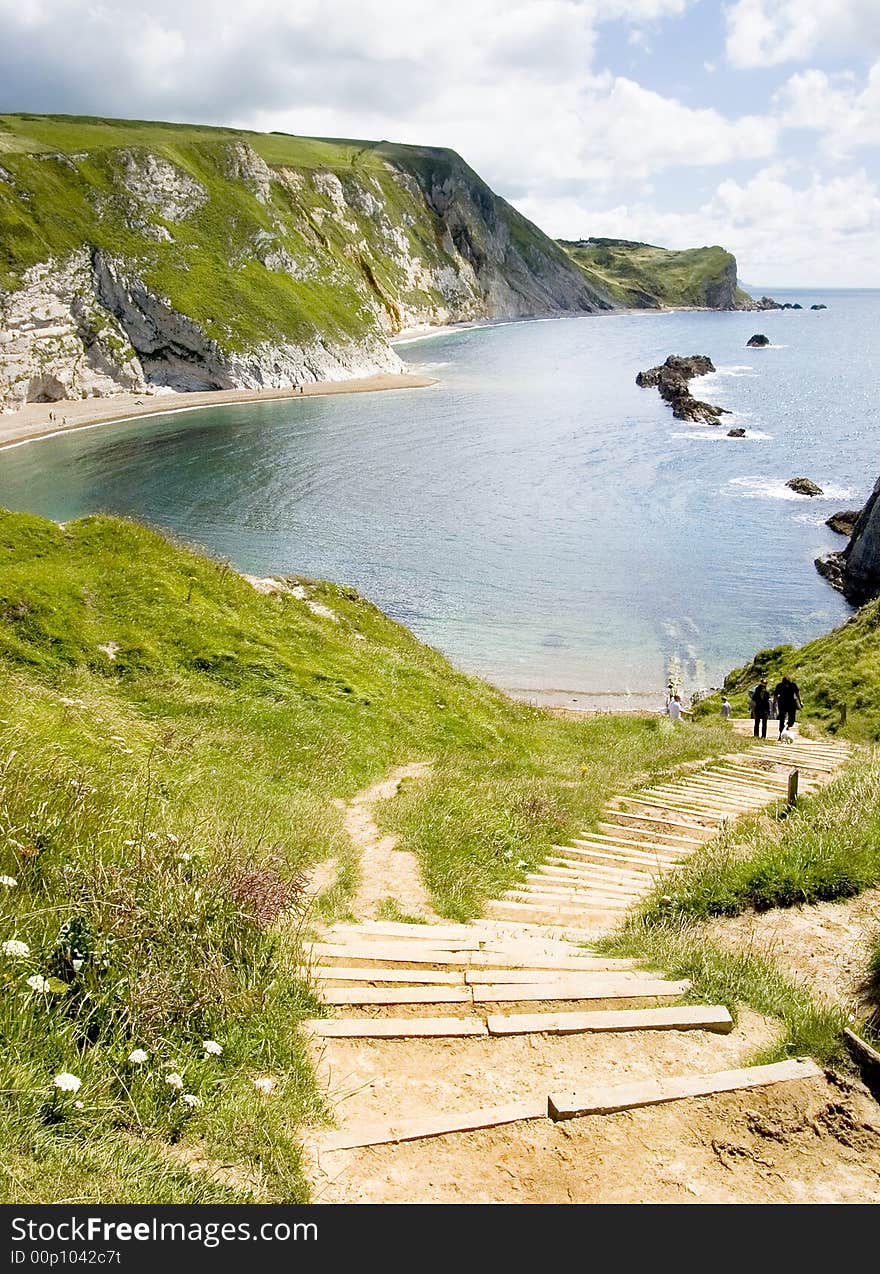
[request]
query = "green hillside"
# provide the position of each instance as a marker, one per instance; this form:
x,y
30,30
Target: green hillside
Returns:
x,y
174,751
642,276
840,669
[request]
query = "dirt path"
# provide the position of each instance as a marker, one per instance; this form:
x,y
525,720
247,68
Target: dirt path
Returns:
x,y
385,870
825,946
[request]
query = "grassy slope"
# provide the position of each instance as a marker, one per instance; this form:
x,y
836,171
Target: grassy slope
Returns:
x,y
840,668
644,276
165,802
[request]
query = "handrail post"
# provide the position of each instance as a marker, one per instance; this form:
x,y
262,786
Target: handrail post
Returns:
x,y
792,789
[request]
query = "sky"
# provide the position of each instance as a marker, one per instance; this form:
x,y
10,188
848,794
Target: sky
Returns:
x,y
753,123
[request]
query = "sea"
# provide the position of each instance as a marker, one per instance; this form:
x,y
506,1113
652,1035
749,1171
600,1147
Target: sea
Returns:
x,y
534,515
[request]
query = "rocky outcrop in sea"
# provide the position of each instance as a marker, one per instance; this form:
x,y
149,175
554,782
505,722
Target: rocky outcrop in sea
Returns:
x,y
671,380
855,571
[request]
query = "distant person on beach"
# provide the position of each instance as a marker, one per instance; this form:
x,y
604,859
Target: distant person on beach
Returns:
x,y
726,709
675,708
788,700
761,709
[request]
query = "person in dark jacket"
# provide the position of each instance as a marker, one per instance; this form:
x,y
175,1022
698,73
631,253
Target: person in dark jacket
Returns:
x,y
761,708
788,700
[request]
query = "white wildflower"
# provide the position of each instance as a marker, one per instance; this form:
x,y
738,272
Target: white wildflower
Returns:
x,y
184,857
171,838
39,983
79,1105
175,1080
152,835
191,1099
212,1047
9,881
265,1085
13,947
137,1056
129,843
67,1083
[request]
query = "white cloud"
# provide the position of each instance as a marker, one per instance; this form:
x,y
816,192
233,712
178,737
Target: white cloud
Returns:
x,y
846,114
824,233
770,32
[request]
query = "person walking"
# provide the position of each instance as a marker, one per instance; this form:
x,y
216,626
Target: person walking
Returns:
x,y
675,708
761,709
726,709
788,700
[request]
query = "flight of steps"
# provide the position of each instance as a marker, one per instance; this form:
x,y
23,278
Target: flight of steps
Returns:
x,y
592,881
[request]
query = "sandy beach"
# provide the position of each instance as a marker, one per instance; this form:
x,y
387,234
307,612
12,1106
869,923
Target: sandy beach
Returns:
x,y
32,421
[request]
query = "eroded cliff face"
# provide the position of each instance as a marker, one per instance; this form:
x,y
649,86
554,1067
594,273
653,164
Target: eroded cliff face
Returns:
x,y
856,570
194,262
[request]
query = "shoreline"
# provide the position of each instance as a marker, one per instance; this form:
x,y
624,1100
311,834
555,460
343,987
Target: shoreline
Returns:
x,y
31,423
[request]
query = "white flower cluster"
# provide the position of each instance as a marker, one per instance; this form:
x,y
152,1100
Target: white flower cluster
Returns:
x,y
67,1083
212,1048
15,948
9,881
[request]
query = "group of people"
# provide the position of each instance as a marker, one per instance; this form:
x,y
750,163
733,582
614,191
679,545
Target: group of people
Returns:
x,y
782,703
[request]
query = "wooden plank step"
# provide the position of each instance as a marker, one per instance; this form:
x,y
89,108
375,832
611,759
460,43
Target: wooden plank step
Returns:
x,y
450,938
560,876
484,972
697,800
555,917
434,1125
534,977
675,841
637,876
436,977
704,819
381,954
741,779
605,1099
396,995
594,987
686,1017
387,1028
523,931
589,853
568,898
702,832
643,846
738,793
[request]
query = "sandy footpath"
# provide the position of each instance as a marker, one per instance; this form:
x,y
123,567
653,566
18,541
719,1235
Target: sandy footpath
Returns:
x,y
32,421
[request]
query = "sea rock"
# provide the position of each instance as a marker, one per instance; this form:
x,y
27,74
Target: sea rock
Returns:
x,y
758,341
736,433
804,486
767,303
856,570
818,307
671,380
844,522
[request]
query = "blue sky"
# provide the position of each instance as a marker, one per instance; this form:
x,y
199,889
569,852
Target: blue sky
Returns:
x,y
752,123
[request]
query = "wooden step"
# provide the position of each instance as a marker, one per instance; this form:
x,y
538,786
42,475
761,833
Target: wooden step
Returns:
x,y
386,1028
555,917
397,995
433,1125
575,885
636,876
605,1099
675,841
701,832
436,977
485,972
702,817
559,876
737,793
537,898
449,937
642,846
492,977
589,853
761,787
407,953
699,800
593,987
686,1017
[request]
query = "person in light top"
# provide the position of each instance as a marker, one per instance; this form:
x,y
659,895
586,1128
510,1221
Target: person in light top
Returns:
x,y
675,708
726,709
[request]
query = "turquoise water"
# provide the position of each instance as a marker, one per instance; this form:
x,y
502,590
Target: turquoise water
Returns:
x,y
535,515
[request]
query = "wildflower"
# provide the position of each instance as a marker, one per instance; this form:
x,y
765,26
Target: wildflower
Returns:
x,y
212,1047
67,1083
152,835
79,1105
265,1085
171,838
38,983
137,1056
13,947
184,857
129,842
174,1080
9,881
191,1099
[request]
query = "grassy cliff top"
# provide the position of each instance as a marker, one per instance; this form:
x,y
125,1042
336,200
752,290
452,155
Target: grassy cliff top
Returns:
x,y
176,749
643,275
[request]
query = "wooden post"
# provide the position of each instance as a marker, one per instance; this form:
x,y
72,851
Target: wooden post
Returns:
x,y
792,789
843,715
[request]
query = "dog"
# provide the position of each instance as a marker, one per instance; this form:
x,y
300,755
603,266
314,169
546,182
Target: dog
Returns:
x,y
786,736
